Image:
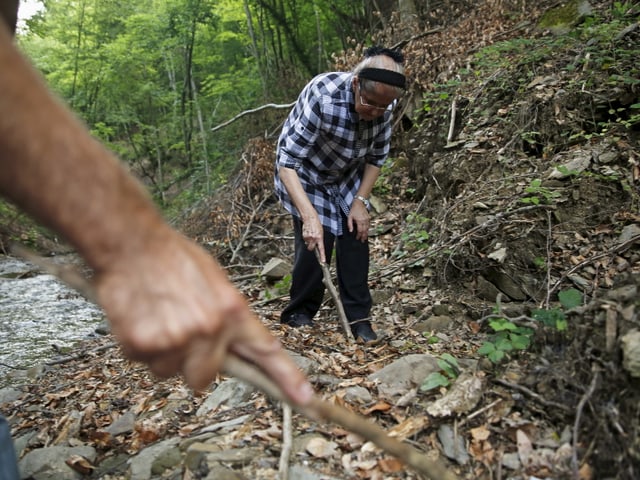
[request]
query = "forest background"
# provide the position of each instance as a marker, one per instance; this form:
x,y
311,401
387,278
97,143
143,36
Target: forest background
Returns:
x,y
152,78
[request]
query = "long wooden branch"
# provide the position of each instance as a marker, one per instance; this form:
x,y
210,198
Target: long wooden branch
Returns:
x,y
317,409
248,112
326,279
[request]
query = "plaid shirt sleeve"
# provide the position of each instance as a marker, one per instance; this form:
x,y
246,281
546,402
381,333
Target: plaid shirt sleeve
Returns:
x,y
301,131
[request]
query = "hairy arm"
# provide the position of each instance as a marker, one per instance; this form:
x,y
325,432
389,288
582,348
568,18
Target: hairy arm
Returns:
x,y
169,303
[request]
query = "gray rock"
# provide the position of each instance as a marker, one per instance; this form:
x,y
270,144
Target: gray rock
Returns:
x,y
506,284
358,395
219,472
404,374
299,472
631,352
235,456
231,392
486,290
276,269
123,424
608,157
434,323
628,232
49,463
140,466
305,364
453,445
8,395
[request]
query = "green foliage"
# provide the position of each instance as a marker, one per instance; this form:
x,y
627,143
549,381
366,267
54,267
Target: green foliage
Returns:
x,y
449,371
152,78
415,235
507,336
555,317
537,194
281,287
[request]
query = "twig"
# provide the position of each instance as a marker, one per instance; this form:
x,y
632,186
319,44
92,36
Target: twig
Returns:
x,y
247,229
253,110
287,442
317,409
532,394
576,425
83,354
452,123
616,249
326,276
401,44
13,367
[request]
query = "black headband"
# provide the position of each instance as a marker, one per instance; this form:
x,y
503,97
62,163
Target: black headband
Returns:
x,y
384,76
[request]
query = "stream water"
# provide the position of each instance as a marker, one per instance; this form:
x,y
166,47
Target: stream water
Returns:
x,y
37,312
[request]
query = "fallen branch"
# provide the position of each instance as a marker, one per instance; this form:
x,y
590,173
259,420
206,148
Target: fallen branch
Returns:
x,y
534,395
83,354
617,249
254,110
317,409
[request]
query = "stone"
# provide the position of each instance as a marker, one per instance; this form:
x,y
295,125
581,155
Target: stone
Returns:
x,y
358,395
49,463
404,374
506,284
219,472
276,269
123,424
231,392
631,352
140,466
628,232
453,445
461,397
435,323
8,395
486,290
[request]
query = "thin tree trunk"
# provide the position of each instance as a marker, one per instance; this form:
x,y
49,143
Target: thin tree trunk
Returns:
x,y
203,134
76,58
254,46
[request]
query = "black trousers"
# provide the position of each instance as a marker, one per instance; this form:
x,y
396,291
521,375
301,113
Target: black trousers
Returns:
x,y
352,266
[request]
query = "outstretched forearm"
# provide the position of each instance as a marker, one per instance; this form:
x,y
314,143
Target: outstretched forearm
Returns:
x,y
51,168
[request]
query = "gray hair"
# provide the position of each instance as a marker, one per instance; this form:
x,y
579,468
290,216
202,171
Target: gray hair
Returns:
x,y
378,61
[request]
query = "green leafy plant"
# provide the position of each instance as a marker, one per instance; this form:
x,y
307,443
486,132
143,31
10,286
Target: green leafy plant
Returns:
x,y
507,337
537,194
450,369
281,287
555,317
415,236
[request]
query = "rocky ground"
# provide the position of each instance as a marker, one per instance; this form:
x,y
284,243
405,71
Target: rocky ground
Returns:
x,y
505,266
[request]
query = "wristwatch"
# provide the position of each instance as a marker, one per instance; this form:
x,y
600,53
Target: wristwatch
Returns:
x,y
366,201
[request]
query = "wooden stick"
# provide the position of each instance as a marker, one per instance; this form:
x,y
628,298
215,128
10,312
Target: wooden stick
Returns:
x,y
326,279
317,409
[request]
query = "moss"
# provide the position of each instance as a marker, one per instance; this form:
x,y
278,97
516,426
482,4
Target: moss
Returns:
x,y
565,16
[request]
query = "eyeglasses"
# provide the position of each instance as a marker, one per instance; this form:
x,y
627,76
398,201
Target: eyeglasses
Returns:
x,y
365,103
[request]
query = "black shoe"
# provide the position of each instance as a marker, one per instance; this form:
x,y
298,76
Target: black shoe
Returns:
x,y
297,320
362,329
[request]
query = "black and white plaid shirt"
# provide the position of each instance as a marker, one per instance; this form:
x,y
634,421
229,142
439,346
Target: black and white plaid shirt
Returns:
x,y
327,144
